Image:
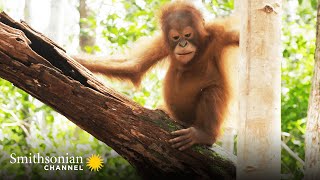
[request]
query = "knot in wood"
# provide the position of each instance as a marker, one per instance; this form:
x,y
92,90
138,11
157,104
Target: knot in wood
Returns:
x,y
269,8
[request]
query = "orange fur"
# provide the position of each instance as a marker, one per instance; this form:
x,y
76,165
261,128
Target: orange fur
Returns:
x,y
197,93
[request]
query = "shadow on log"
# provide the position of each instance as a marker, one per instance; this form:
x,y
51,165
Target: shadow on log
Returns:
x,y
40,67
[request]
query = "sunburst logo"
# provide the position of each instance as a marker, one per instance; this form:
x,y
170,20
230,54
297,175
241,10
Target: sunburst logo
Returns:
x,y
95,162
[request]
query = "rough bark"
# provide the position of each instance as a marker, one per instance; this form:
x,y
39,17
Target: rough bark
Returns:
x,y
259,140
312,157
35,64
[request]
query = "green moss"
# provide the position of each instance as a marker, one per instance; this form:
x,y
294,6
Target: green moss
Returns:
x,y
198,149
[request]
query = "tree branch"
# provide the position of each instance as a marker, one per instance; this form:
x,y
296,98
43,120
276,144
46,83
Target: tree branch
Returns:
x,y
37,65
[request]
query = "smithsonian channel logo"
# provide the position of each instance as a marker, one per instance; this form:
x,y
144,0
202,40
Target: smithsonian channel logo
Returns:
x,y
60,163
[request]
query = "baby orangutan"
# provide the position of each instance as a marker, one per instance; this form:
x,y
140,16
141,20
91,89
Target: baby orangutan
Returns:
x,y
197,89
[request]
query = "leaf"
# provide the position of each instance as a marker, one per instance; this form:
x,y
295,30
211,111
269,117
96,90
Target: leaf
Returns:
x,y
314,4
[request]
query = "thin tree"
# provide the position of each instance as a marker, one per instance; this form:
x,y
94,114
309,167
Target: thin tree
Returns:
x,y
27,11
87,36
312,141
259,140
231,124
54,29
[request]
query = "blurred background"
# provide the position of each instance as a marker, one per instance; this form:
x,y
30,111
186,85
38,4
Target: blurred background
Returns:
x,y
109,27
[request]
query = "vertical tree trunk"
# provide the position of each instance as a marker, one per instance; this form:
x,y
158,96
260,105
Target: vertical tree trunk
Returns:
x,y
87,32
56,22
259,141
27,11
232,121
237,6
312,157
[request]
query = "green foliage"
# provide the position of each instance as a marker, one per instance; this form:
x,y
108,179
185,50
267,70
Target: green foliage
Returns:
x,y
28,126
125,27
313,3
219,7
139,20
88,26
297,66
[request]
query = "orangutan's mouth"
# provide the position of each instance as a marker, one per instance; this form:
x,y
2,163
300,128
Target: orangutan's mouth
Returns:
x,y
184,53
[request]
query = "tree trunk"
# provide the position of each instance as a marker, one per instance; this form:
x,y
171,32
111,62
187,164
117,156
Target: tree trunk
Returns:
x,y
230,126
87,36
259,140
312,153
232,120
56,22
237,6
27,11
35,64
